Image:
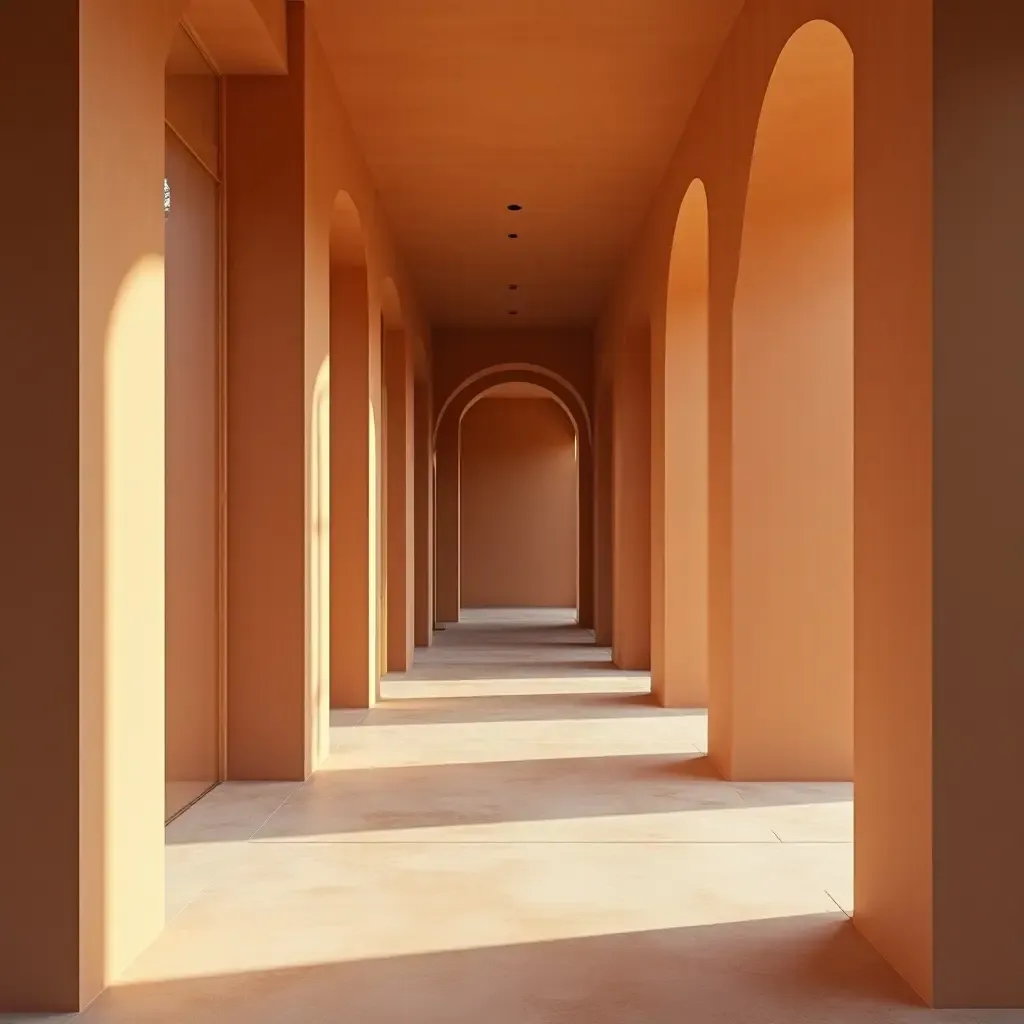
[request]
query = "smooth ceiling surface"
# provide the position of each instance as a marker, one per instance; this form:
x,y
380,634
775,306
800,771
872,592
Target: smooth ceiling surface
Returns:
x,y
571,108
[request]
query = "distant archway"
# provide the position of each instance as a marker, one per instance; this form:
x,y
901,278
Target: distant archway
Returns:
x,y
679,460
519,500
792,546
446,486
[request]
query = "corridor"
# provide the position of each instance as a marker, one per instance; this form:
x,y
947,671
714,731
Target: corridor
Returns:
x,y
515,834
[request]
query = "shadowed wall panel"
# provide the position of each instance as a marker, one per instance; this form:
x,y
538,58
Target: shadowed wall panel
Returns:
x,y
519,512
191,453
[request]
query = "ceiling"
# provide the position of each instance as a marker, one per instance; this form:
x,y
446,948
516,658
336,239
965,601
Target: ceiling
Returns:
x,y
570,108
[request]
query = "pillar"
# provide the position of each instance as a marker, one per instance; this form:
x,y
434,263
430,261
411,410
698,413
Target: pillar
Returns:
x,y
424,515
602,551
631,503
82,458
356,490
266,293
940,501
586,513
401,569
446,526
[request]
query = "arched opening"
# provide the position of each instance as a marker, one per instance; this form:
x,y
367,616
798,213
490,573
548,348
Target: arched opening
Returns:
x,y
679,461
193,382
519,502
356,489
446,441
792,556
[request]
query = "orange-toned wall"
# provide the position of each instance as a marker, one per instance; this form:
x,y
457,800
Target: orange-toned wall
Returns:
x,y
82,887
334,165
401,541
631,501
458,355
291,168
266,472
604,540
423,510
892,48
519,505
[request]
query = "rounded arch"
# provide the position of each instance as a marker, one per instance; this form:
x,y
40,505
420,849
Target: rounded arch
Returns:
x,y
445,444
680,465
542,391
348,243
523,373
792,420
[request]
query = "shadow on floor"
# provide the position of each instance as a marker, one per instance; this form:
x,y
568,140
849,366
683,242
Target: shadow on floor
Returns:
x,y
588,789
814,969
396,709
491,663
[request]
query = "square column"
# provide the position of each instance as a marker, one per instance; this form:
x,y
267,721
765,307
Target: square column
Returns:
x,y
401,568
424,514
82,451
603,536
265,183
357,490
631,508
446,525
939,506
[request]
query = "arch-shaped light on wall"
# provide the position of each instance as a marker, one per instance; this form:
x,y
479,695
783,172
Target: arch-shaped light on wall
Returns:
x,y
680,491
792,445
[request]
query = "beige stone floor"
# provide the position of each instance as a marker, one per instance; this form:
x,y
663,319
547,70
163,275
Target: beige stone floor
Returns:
x,y
515,835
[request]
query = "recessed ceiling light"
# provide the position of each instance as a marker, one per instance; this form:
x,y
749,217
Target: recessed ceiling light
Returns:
x,y
514,207
513,235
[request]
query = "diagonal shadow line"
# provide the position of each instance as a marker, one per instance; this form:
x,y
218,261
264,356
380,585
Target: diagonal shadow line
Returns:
x,y
811,967
566,707
354,801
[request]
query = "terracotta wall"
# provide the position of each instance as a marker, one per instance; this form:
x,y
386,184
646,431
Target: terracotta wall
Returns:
x,y
401,457
83,314
519,510
268,736
679,468
82,890
604,408
792,426
423,509
459,355
631,500
911,800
